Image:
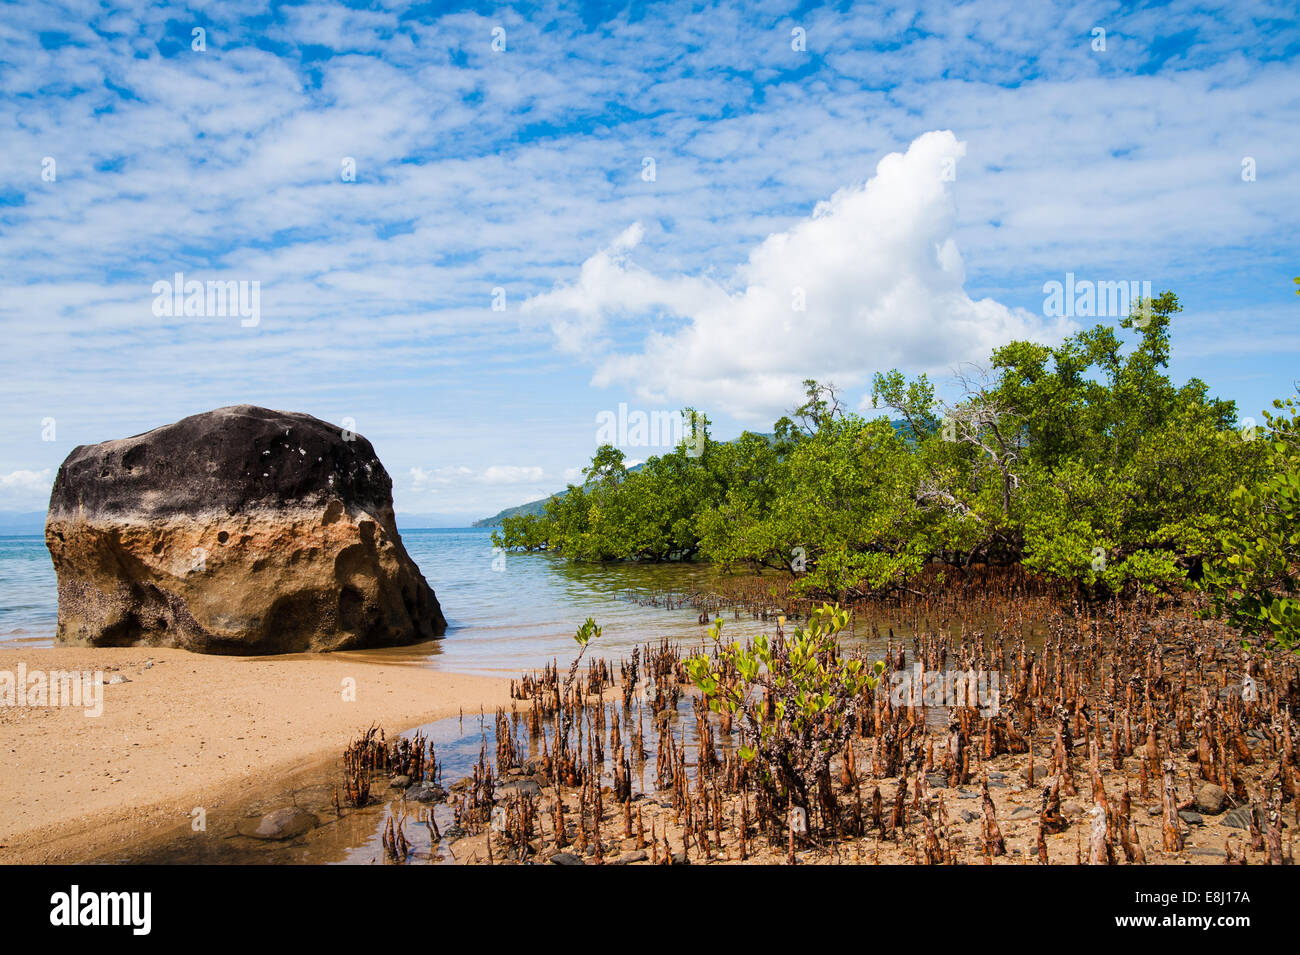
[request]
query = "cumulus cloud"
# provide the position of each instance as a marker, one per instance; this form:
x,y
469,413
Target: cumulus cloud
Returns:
x,y
609,284
25,490
498,474
477,171
425,479
871,280
27,482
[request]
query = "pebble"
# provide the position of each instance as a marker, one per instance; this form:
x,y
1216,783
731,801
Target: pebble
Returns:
x,y
281,824
400,782
522,787
630,857
1210,798
565,858
1191,818
1238,818
1024,812
534,765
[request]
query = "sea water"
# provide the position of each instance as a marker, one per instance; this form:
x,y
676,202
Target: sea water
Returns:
x,y
506,611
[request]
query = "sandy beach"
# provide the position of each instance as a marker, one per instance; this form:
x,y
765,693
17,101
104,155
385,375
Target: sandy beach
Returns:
x,y
191,730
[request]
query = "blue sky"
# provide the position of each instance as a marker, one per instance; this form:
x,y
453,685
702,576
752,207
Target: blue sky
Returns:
x,y
914,173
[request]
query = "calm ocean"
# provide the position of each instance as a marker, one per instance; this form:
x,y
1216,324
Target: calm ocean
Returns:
x,y
505,612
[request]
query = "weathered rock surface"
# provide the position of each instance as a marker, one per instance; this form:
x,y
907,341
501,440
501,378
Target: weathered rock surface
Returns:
x,y
1210,798
241,530
287,823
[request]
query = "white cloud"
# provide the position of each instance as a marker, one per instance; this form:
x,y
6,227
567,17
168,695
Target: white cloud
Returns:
x,y
424,479
478,170
25,490
871,280
27,482
609,284
498,474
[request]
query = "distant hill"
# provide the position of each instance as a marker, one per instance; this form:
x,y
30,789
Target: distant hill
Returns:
x,y
416,522
532,507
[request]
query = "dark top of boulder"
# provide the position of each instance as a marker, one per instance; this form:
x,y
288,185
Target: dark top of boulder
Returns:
x,y
229,459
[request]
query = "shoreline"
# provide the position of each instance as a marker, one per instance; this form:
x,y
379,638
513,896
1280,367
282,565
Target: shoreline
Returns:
x,y
192,730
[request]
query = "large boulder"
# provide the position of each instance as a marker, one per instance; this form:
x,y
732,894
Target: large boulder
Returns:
x,y
241,530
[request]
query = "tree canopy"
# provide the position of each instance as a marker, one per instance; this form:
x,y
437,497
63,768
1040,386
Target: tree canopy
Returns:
x,y
1082,461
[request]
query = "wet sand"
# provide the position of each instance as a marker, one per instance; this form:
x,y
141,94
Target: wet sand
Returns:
x,y
193,730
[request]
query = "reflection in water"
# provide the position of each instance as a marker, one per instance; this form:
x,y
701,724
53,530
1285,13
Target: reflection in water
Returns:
x,y
506,612
523,615
356,838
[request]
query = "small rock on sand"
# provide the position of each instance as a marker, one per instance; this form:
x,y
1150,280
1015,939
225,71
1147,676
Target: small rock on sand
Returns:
x,y
281,824
1210,798
1238,818
521,787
